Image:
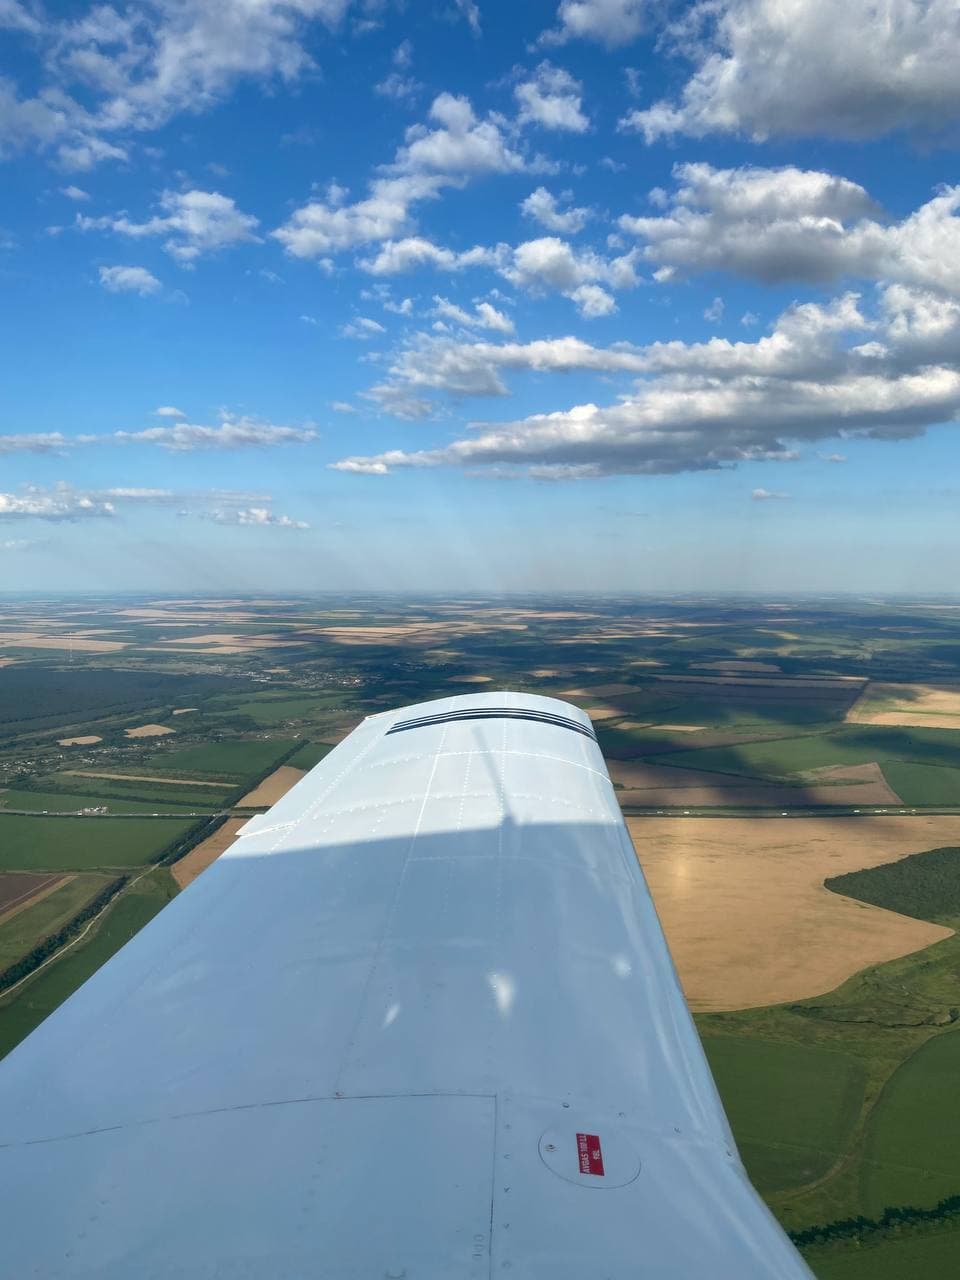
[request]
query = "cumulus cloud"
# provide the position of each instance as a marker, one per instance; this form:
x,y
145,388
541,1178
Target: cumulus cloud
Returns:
x,y
765,68
398,256
609,22
459,144
231,433
714,313
75,193
169,411
703,406
483,316
60,503
109,72
553,99
459,148
39,442
775,225
258,517
363,328
768,495
329,226
545,208
550,263
130,280
193,222
469,10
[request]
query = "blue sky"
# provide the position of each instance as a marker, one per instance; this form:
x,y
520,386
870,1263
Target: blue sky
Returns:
x,y
597,294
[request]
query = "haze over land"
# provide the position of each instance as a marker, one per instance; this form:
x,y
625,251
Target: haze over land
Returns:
x,y
468,295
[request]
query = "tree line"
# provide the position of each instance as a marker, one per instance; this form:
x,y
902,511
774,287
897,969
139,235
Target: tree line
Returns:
x,y
54,941
893,1221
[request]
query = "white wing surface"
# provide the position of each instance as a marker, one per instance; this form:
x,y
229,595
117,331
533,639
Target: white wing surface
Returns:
x,y
419,1022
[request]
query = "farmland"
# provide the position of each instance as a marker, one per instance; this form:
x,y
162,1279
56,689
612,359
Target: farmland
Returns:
x,y
77,844
790,773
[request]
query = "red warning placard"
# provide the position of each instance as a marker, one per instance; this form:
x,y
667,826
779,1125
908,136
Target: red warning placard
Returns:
x,y
590,1154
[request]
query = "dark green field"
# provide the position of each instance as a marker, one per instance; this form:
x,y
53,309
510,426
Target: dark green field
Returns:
x,y
792,1107
931,1257
84,844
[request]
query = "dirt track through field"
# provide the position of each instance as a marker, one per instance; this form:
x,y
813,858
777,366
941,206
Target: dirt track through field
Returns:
x,y
207,851
143,777
745,910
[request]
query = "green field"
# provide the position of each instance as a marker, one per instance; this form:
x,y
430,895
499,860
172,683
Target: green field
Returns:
x,y
269,711
912,1151
84,844
150,797
24,930
233,761
791,1107
40,995
310,754
922,1257
67,802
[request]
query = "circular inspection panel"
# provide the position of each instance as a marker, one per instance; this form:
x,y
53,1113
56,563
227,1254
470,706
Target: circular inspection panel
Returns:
x,y
596,1155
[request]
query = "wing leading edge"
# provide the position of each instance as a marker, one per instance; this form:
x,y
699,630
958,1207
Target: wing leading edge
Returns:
x,y
420,1020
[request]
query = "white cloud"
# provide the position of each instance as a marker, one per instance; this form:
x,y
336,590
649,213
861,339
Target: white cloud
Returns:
x,y
544,207
16,544
232,433
397,86
484,315
768,495
552,264
702,406
784,224
38,442
341,406
402,308
714,313
136,70
169,411
856,70
469,10
194,222
325,226
610,22
57,504
552,99
460,145
459,148
398,256
258,517
75,193
362,328
832,457
130,280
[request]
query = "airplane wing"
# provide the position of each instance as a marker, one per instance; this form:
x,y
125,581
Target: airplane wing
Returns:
x,y
419,1022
